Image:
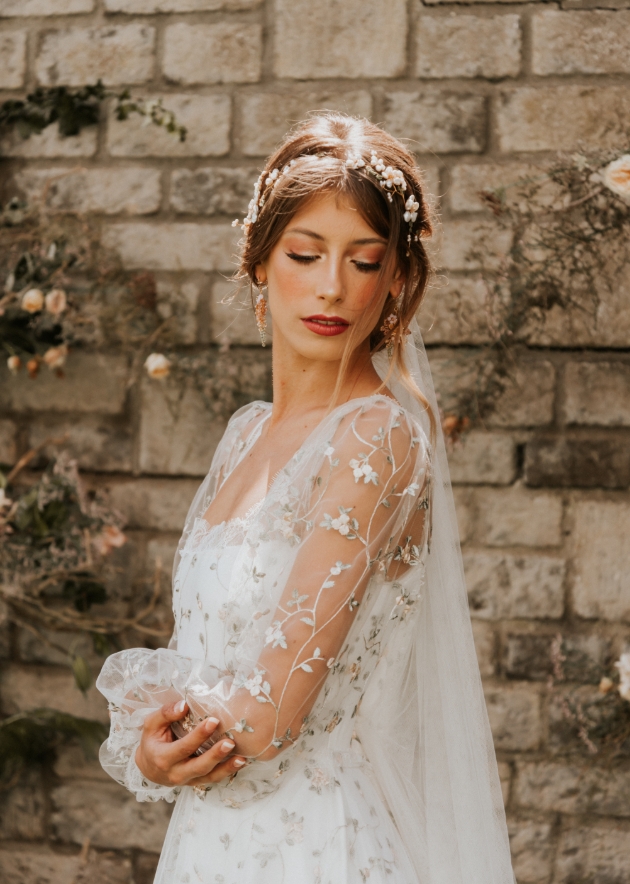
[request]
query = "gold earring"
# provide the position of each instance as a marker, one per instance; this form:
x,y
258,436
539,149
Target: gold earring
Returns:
x,y
390,324
260,309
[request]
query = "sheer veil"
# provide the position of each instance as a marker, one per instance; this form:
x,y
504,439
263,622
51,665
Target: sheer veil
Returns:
x,y
424,725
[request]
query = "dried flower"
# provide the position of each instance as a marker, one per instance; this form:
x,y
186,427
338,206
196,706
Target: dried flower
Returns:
x,y
33,301
623,665
14,364
606,685
32,367
5,501
110,538
616,176
157,365
56,301
55,357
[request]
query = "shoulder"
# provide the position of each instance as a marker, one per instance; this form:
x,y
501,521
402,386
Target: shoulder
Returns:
x,y
245,418
382,419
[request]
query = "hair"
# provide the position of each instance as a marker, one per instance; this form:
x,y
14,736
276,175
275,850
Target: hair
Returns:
x,y
316,153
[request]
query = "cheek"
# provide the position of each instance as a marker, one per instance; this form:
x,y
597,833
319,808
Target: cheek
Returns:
x,y
287,282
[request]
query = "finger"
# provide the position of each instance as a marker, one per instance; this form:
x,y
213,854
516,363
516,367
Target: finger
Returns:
x,y
162,718
188,745
201,765
226,768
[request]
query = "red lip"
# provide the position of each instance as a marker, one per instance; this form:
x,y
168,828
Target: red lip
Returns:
x,y
326,325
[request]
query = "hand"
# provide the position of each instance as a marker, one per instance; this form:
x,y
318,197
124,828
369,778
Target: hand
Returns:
x,y
168,762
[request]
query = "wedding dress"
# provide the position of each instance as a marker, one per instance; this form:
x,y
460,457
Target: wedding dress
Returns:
x,y
329,627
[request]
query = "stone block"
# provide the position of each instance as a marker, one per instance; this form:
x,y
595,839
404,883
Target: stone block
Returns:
x,y
578,462
468,46
151,7
45,7
533,848
132,190
465,514
212,191
92,382
444,122
32,649
158,504
454,312
564,117
502,586
71,763
572,789
32,687
116,54
162,548
528,656
40,865
207,119
179,246
514,714
517,517
233,319
485,645
455,373
580,42
23,808
266,117
505,776
178,302
597,393
97,444
331,39
601,560
222,52
49,144
483,458
469,180
8,446
108,815
528,397
593,855
145,868
12,59
464,244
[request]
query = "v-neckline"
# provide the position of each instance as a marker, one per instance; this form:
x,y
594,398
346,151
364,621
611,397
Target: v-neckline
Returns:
x,y
355,402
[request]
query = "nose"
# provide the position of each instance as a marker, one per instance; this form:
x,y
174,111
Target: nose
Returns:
x,y
331,285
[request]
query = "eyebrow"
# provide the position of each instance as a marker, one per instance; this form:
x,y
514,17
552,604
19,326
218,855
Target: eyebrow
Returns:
x,y
357,242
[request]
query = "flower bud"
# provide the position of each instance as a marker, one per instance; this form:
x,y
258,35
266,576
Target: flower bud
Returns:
x,y
56,301
14,363
55,357
33,301
157,365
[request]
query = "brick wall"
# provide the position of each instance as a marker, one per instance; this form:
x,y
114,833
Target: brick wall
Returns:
x,y
487,91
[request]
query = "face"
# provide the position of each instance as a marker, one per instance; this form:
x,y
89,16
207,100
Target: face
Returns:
x,y
322,277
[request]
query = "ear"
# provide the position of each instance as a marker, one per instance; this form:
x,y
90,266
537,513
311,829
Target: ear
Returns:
x,y
260,273
397,283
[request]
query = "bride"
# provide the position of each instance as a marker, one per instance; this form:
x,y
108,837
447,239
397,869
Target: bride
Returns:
x,y
318,716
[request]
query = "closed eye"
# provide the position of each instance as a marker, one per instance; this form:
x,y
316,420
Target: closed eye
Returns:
x,y
302,259
366,268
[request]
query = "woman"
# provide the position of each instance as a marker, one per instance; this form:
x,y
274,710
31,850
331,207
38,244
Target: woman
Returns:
x,y
322,675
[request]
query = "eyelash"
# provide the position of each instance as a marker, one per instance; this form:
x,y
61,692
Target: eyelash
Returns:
x,y
361,266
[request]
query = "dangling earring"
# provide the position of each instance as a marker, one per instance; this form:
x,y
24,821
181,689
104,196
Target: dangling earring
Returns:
x,y
260,309
390,324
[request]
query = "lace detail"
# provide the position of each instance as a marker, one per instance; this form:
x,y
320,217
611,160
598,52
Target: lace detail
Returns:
x,y
229,532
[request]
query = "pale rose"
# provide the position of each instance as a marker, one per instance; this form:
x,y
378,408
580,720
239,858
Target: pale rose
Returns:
x,y
14,364
157,365
623,665
55,357
606,685
56,301
110,538
33,301
616,176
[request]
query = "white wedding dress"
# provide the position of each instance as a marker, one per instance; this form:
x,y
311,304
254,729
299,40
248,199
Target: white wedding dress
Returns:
x,y
308,626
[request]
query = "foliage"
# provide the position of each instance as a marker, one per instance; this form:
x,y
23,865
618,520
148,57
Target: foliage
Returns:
x,y
74,109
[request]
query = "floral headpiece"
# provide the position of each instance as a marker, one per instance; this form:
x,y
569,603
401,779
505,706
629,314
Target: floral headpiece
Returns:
x,y
391,180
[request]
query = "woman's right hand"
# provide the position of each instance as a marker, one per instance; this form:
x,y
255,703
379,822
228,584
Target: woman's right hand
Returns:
x,y
164,760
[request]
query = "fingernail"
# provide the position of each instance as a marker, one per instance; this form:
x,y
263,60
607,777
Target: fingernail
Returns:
x,y
226,745
179,707
238,762
210,723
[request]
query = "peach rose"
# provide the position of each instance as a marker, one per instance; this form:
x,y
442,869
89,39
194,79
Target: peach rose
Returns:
x,y
55,357
110,538
56,301
616,176
33,301
157,365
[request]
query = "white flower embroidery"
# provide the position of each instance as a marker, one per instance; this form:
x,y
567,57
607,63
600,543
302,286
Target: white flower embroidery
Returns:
x,y
361,469
346,526
412,489
274,636
319,780
255,685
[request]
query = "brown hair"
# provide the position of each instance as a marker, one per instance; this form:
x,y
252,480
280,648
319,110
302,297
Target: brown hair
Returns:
x,y
316,153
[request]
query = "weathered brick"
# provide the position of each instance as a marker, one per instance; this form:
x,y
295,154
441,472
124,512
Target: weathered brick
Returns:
x,y
482,458
506,586
528,397
580,42
567,788
563,118
8,448
527,655
167,246
435,2
145,867
444,122
601,559
32,687
109,816
468,46
32,649
178,301
23,808
211,191
223,52
49,143
150,7
132,190
72,763
514,714
454,313
115,54
267,116
516,517
465,513
596,856
577,462
233,321
12,59
505,775
207,119
330,39
96,443
533,848
45,7
92,382
469,180
464,244
159,504
485,642
39,865
597,393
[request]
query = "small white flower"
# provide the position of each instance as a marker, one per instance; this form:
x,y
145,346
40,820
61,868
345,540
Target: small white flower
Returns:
x,y
274,636
55,357
33,301
157,365
295,833
253,684
623,665
616,176
412,489
14,364
5,501
56,301
329,451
